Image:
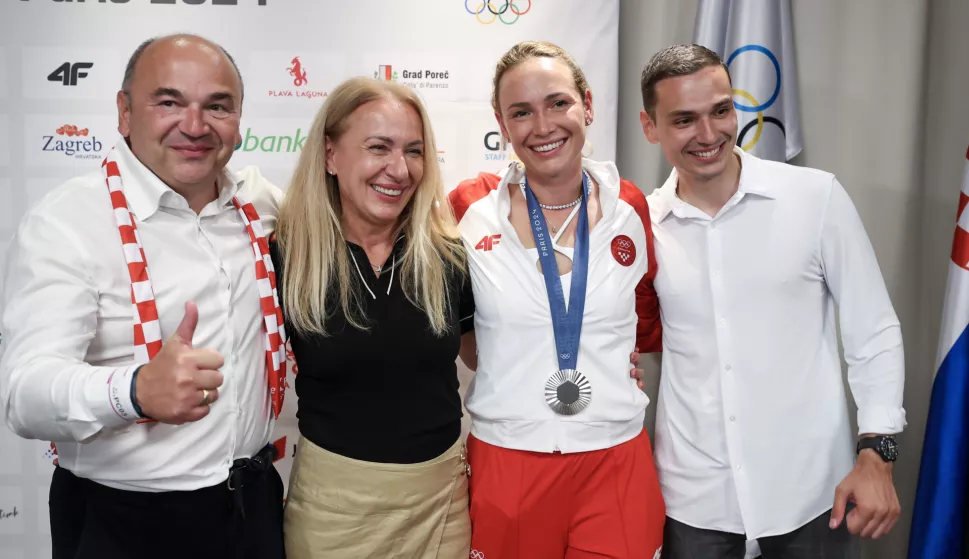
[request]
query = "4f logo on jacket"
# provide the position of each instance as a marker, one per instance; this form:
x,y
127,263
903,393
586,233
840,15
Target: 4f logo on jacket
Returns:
x,y
488,242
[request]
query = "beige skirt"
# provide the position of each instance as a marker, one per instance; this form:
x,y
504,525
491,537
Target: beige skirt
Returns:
x,y
338,507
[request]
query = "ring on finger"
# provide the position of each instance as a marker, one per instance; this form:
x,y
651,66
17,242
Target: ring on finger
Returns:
x,y
205,398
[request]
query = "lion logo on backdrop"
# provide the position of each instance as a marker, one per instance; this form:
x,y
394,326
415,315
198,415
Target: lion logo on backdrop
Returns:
x,y
298,73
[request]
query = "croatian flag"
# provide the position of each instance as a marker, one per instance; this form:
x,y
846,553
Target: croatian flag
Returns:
x,y
939,519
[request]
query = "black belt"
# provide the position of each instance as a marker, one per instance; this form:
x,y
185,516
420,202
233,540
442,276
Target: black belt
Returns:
x,y
246,471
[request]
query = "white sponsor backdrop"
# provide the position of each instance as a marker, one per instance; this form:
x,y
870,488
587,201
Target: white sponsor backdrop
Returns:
x,y
61,63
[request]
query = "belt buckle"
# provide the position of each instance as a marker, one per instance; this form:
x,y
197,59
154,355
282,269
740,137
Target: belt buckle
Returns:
x,y
228,482
232,473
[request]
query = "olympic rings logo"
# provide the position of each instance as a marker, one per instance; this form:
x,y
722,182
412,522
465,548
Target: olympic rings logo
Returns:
x,y
487,7
755,105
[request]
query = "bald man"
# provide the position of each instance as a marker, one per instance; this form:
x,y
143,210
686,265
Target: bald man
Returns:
x,y
141,327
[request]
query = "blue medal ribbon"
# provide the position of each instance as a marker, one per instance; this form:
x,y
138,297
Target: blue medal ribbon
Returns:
x,y
566,323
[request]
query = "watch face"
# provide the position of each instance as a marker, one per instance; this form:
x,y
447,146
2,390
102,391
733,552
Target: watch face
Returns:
x,y
888,448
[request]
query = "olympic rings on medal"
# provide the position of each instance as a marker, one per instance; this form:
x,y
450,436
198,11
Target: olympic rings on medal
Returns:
x,y
489,7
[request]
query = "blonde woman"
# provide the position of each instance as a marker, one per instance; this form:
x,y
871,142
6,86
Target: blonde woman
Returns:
x,y
561,465
376,301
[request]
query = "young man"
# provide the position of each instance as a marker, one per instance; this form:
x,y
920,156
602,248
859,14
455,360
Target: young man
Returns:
x,y
752,429
136,292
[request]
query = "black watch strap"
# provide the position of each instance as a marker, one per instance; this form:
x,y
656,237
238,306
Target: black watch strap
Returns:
x,y
885,446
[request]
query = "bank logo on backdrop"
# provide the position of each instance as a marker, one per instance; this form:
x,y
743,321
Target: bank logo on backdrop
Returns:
x,y
507,11
72,73
272,144
68,140
274,140
294,77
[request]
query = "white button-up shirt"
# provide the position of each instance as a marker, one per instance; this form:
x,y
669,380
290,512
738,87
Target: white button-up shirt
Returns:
x,y
67,325
752,427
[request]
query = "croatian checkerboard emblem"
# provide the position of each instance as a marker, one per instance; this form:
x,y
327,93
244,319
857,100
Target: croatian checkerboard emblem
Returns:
x,y
624,250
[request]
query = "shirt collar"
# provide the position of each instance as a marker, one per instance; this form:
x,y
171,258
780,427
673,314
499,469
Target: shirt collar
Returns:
x,y
604,173
753,180
145,192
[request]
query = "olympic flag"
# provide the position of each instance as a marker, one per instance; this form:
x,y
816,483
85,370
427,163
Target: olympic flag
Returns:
x,y
939,518
754,38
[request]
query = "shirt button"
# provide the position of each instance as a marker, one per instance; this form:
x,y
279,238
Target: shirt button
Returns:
x,y
738,467
723,320
732,418
727,368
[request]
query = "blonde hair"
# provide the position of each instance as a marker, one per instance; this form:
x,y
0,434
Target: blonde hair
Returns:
x,y
535,49
316,266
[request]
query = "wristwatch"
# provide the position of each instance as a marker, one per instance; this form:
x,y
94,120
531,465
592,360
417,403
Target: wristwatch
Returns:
x,y
885,446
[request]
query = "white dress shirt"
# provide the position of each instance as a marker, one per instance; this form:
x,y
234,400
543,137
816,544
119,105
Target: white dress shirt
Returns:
x,y
752,427
68,325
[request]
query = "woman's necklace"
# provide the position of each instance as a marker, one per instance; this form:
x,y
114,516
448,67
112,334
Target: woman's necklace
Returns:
x,y
551,207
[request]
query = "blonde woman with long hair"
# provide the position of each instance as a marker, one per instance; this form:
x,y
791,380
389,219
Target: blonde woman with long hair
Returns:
x,y
376,300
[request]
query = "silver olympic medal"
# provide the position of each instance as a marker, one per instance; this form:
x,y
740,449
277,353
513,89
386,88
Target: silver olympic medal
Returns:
x,y
568,392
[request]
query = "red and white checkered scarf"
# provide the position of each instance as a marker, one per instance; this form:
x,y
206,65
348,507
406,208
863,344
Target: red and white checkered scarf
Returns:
x,y
148,341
